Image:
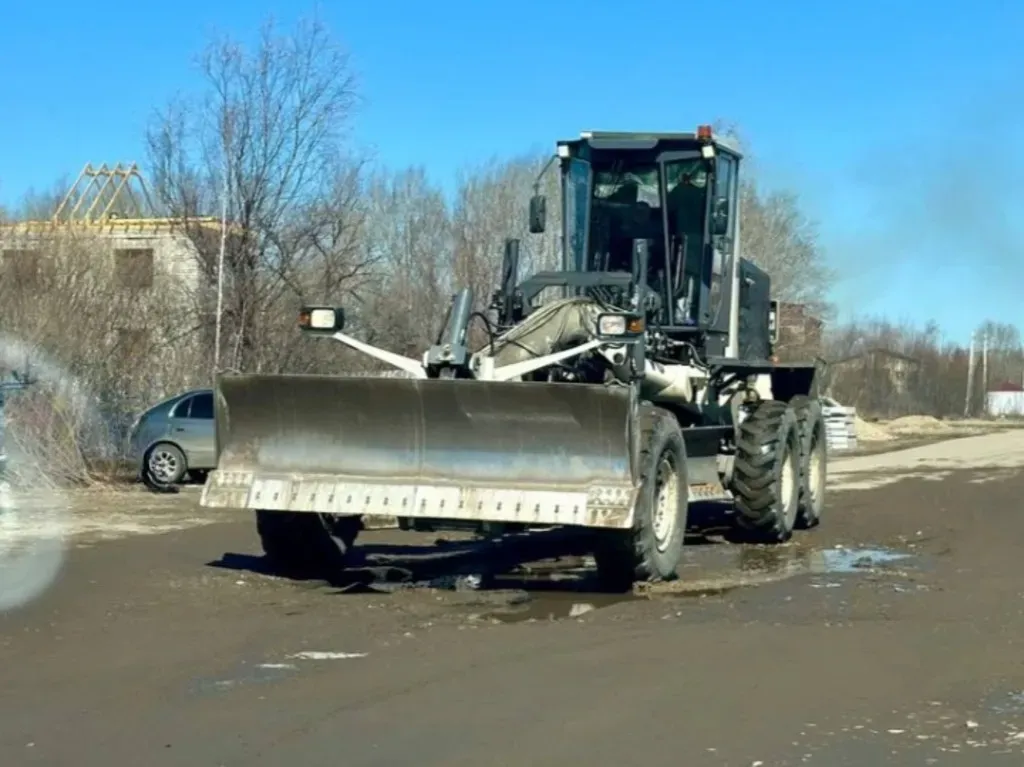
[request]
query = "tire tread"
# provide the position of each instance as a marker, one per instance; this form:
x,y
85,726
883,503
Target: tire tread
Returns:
x,y
625,557
755,487
809,418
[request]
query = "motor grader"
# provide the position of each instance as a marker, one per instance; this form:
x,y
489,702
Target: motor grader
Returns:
x,y
606,398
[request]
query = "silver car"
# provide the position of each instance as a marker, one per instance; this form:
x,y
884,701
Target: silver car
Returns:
x,y
175,438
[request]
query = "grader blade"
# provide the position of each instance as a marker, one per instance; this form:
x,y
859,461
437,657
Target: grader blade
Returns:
x,y
535,453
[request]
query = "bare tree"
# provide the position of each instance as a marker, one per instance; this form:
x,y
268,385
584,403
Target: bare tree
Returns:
x,y
276,121
491,206
783,241
780,237
418,250
891,369
408,237
1005,353
40,205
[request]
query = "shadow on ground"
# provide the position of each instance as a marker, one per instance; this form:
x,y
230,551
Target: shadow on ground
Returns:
x,y
447,564
551,560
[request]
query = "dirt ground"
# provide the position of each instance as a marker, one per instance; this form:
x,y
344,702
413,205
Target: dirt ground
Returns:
x,y
141,629
886,436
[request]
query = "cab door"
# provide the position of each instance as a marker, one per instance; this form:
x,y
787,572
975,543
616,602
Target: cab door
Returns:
x,y
723,246
684,180
576,213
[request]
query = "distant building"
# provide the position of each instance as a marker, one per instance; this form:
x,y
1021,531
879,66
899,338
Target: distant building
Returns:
x,y
876,365
800,332
107,216
1005,400
112,206
798,328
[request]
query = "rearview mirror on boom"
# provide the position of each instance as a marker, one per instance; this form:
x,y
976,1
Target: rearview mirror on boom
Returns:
x,y
321,319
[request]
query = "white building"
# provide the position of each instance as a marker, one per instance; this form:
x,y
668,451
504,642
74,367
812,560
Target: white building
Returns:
x,y
1005,401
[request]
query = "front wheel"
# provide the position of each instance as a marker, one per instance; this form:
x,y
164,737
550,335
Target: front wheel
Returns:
x,y
304,543
652,550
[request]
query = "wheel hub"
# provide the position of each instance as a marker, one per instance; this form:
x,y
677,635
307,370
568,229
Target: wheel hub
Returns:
x,y
163,465
815,475
788,487
666,503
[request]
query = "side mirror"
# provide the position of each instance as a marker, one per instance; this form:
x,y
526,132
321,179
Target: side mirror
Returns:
x,y
720,217
538,213
321,319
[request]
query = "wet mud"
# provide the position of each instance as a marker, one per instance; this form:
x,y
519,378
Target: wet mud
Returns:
x,y
711,571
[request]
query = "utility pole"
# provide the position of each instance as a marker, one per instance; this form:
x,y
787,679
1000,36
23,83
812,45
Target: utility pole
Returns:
x,y
970,379
984,373
225,193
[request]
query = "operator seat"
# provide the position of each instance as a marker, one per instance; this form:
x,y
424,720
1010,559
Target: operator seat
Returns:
x,y
624,217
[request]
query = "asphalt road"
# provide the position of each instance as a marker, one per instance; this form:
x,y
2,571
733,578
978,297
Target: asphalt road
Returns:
x,y
173,649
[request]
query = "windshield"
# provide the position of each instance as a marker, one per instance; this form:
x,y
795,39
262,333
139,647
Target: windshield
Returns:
x,y
634,200
692,173
627,205
628,184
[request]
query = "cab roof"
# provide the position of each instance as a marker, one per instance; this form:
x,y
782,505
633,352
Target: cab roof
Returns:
x,y
644,140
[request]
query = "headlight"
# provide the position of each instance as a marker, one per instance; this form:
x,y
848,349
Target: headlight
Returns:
x,y
611,324
620,325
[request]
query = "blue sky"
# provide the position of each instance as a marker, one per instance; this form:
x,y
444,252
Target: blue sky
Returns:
x,y
899,122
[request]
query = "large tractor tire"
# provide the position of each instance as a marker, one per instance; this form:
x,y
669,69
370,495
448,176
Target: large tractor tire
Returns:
x,y
305,544
813,460
652,550
766,476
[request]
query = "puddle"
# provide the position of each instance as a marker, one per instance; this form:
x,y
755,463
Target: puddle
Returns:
x,y
717,569
710,571
1006,704
854,560
321,655
553,606
794,560
260,673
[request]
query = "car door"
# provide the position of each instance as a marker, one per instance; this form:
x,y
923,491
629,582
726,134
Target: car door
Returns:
x,y
193,429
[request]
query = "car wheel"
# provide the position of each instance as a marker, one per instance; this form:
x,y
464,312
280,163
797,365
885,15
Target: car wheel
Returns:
x,y
165,464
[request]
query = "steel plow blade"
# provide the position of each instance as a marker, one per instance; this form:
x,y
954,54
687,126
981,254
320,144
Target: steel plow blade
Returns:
x,y
535,453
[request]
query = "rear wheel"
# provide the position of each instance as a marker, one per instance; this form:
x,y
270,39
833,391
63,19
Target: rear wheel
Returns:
x,y
652,550
302,543
766,477
813,460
